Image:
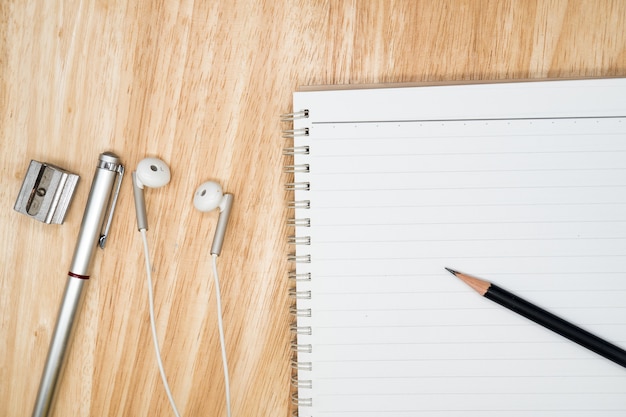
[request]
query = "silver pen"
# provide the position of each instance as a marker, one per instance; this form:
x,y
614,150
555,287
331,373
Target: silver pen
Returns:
x,y
94,230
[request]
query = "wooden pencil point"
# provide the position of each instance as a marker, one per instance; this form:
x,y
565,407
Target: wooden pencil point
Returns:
x,y
478,285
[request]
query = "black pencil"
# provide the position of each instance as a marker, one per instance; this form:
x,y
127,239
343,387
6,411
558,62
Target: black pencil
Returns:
x,y
544,318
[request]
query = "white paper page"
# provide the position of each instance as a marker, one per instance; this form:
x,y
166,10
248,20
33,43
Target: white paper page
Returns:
x,y
535,205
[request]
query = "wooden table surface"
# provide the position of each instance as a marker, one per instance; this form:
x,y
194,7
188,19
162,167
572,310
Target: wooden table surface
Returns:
x,y
201,85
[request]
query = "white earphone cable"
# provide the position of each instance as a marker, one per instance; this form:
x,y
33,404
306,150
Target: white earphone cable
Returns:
x,y
155,339
220,326
153,322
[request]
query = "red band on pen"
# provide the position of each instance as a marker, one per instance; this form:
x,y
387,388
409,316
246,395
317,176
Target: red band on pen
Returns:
x,y
71,274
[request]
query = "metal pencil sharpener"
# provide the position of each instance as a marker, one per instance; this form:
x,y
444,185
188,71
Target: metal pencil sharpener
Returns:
x,y
46,192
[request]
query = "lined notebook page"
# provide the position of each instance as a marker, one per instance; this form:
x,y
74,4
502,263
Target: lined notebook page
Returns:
x,y
520,184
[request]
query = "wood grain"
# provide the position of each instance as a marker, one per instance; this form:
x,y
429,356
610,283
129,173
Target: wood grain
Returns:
x,y
201,84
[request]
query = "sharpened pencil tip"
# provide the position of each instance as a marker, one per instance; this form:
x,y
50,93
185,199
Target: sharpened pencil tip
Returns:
x,y
452,271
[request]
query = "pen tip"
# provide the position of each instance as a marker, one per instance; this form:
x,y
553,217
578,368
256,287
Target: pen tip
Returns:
x,y
452,271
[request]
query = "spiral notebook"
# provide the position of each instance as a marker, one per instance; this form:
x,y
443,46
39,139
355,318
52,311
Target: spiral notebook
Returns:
x,y
520,183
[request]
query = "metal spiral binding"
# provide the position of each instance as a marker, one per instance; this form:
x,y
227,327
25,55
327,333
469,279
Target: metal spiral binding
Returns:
x,y
302,366
303,295
304,204
295,133
307,383
300,277
306,330
299,240
300,308
292,222
305,348
299,259
302,402
301,312
303,168
296,150
290,117
298,186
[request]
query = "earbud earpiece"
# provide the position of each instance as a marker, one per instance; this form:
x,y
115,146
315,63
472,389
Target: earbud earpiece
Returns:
x,y
150,172
208,197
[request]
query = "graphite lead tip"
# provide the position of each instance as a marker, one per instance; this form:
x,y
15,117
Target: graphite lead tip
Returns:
x,y
452,271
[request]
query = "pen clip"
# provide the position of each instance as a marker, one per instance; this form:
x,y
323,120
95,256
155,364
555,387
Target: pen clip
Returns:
x,y
113,202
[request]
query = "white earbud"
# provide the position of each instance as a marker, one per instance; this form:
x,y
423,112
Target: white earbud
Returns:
x,y
150,172
208,197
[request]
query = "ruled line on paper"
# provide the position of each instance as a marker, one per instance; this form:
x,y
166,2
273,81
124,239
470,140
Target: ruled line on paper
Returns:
x,y
472,120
